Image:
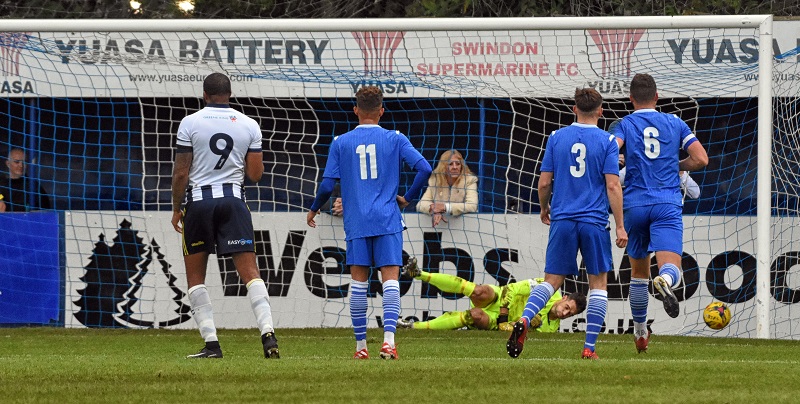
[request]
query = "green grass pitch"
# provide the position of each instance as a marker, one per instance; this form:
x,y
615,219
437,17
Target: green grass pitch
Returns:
x,y
148,366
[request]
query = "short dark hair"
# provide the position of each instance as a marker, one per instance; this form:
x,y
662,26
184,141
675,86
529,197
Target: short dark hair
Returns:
x,y
587,99
580,301
217,84
643,88
369,98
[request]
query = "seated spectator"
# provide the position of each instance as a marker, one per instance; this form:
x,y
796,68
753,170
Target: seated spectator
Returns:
x,y
15,188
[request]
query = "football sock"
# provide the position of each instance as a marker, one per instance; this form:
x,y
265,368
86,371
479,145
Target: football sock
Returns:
x,y
537,300
595,315
358,309
448,283
259,301
639,297
451,320
671,274
391,309
202,312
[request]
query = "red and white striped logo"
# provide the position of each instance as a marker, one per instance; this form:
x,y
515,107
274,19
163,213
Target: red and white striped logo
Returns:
x,y
11,44
378,48
616,46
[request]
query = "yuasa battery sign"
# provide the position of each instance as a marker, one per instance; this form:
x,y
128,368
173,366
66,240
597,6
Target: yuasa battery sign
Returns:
x,y
403,63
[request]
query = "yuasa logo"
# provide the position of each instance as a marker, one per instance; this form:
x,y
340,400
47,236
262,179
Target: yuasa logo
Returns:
x,y
616,47
11,45
378,49
240,242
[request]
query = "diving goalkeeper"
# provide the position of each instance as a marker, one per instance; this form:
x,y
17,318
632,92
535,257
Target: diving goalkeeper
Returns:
x,y
492,307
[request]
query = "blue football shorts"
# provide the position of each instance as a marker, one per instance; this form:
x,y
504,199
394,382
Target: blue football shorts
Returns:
x,y
380,251
567,237
654,228
220,225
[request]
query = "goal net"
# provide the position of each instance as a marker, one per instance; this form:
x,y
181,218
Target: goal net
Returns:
x,y
95,106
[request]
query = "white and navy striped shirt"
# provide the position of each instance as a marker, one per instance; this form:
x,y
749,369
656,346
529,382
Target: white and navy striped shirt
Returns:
x,y
219,138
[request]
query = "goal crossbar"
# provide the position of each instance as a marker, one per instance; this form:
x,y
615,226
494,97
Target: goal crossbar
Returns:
x,y
405,24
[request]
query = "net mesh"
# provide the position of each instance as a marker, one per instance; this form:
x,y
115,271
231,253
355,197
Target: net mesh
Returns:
x,y
96,115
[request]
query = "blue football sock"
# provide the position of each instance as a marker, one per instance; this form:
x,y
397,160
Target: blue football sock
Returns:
x,y
358,308
391,305
639,297
671,274
537,300
595,315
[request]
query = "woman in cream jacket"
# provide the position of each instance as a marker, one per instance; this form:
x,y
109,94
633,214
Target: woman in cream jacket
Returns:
x,y
452,189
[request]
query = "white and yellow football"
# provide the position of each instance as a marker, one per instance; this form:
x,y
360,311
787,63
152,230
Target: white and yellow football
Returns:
x,y
716,315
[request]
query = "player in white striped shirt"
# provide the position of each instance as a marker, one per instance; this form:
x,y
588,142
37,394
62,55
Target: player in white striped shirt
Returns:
x,y
216,147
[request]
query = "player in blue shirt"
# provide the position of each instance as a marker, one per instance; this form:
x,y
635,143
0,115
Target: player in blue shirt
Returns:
x,y
580,172
653,199
367,162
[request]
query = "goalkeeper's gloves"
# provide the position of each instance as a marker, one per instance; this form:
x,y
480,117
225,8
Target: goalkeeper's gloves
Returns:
x,y
536,322
503,324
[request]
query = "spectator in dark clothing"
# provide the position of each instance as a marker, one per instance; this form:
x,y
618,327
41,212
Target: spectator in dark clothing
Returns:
x,y
15,187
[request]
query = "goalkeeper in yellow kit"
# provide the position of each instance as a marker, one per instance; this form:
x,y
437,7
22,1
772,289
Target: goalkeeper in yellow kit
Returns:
x,y
493,307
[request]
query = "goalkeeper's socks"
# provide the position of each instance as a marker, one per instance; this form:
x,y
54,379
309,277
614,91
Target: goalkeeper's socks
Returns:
x,y
259,301
595,315
391,306
358,308
671,274
537,300
639,296
202,312
451,320
450,283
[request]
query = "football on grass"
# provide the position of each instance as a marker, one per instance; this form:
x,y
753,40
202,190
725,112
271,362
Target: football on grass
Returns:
x,y
717,315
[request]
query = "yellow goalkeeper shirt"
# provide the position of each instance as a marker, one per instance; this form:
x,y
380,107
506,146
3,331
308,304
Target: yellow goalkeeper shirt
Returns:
x,y
517,296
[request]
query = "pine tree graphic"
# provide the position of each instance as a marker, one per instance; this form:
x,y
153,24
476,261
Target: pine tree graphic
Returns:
x,y
107,277
128,309
113,280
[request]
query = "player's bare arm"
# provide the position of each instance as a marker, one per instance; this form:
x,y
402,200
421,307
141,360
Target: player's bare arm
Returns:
x,y
310,218
254,166
545,192
180,179
401,201
698,158
614,191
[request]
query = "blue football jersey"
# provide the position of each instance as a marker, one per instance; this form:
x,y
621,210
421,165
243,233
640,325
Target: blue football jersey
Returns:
x,y
367,162
653,141
579,156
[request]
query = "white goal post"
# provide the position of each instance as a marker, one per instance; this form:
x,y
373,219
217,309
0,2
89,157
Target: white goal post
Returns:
x,y
452,86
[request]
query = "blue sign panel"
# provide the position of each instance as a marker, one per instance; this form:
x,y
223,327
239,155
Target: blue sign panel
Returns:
x,y
31,281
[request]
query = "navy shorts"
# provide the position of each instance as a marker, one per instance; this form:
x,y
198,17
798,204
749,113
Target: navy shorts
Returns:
x,y
654,228
567,237
379,251
220,225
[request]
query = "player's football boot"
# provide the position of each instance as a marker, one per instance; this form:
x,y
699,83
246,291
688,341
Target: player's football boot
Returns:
x,y
517,338
641,342
388,352
207,352
405,323
362,354
270,344
667,297
410,269
589,354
